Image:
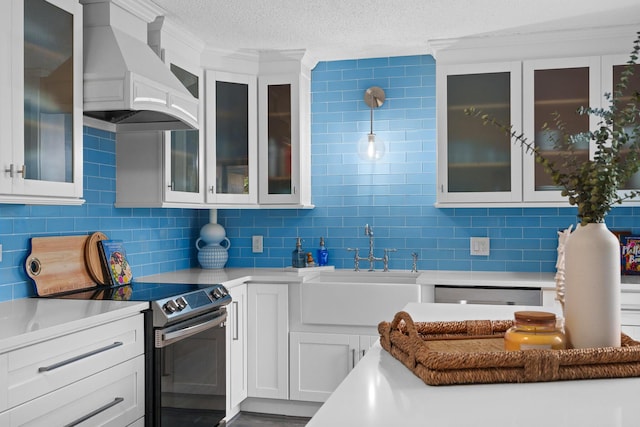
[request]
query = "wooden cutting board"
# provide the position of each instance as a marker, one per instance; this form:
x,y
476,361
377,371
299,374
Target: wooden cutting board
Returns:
x,y
93,259
57,264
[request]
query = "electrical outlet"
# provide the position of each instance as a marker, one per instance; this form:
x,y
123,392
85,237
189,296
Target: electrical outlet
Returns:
x,y
256,244
480,246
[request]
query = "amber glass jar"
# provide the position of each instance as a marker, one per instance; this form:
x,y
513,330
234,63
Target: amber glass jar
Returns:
x,y
534,330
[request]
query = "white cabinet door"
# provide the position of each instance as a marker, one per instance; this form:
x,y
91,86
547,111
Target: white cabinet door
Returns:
x,y
284,139
478,163
268,340
184,149
556,86
237,349
231,138
612,68
41,102
319,362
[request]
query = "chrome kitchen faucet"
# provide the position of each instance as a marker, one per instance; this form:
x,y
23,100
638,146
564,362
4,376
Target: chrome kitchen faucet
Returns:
x,y
368,231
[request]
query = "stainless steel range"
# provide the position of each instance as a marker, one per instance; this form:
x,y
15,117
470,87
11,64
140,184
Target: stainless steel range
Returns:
x,y
185,349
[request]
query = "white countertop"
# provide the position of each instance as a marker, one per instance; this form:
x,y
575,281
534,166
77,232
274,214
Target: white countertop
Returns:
x,y
234,276
28,320
382,392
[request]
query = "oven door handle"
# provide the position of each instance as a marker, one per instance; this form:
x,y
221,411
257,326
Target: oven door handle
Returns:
x,y
164,339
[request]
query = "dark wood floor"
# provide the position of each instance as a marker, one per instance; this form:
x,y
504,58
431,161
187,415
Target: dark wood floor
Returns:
x,y
250,419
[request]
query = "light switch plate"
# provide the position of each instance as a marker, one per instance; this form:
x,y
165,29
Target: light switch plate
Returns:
x,y
480,246
256,244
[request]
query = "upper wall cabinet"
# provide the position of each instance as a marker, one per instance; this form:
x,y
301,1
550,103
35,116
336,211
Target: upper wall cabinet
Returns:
x,y
527,81
258,130
41,102
284,133
556,88
612,69
231,143
477,162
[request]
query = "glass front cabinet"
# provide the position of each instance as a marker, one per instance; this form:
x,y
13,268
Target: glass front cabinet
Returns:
x,y
612,68
41,102
183,149
258,135
231,143
478,165
284,159
555,89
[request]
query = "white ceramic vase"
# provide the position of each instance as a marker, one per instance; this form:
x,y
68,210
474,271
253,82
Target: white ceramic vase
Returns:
x,y
214,253
592,287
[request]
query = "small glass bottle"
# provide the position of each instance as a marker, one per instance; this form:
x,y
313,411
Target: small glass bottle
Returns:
x,y
323,254
298,256
534,330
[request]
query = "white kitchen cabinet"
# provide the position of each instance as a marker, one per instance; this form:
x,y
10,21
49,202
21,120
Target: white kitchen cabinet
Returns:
x,y
556,86
41,102
612,68
319,362
231,138
478,163
113,397
258,130
237,349
284,138
268,346
56,381
573,71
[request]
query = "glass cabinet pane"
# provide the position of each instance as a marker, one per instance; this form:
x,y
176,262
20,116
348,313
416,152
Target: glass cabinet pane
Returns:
x,y
279,138
48,92
633,85
562,91
232,138
479,157
185,144
185,153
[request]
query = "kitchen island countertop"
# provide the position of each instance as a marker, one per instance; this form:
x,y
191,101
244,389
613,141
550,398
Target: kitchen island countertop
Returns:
x,y
380,391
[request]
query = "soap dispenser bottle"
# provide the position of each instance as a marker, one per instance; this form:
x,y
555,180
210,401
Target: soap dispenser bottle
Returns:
x,y
323,254
298,258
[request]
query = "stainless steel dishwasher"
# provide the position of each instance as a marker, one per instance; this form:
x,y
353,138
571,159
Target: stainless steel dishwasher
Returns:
x,y
488,295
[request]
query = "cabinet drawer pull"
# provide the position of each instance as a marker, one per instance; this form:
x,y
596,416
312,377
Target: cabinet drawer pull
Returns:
x,y
96,412
81,356
353,358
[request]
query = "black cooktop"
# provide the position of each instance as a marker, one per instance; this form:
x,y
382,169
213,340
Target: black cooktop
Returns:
x,y
136,291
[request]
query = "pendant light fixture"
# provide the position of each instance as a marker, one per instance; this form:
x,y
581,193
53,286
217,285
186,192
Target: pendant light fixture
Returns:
x,y
372,147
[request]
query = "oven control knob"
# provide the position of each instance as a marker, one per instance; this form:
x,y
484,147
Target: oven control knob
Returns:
x,y
181,303
170,306
216,293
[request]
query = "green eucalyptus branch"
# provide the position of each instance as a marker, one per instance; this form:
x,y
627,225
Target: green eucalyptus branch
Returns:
x,y
593,185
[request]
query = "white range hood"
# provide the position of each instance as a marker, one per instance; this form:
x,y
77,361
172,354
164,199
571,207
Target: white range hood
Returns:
x,y
125,82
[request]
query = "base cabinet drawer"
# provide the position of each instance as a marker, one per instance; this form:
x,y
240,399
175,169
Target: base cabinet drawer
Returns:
x,y
44,367
112,397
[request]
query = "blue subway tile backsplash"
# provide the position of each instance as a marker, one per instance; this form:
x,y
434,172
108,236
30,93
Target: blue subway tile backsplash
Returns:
x,y
395,195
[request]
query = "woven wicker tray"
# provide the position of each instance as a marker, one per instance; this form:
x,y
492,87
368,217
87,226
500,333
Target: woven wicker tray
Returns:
x,y
472,351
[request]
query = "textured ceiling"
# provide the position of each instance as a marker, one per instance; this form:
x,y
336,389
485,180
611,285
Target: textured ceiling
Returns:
x,y
342,29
